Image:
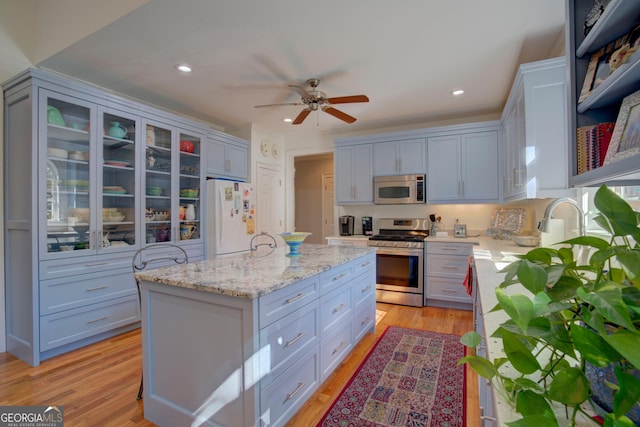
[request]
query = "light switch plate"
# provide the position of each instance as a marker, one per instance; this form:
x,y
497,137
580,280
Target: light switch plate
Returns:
x,y
460,230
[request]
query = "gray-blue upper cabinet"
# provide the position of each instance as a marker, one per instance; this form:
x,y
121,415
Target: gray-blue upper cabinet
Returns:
x,y
227,157
399,157
463,164
354,177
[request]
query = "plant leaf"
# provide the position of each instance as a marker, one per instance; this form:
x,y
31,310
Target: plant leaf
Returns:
x,y
565,255
570,386
535,421
627,344
610,420
531,403
541,303
630,262
565,288
623,219
594,242
480,365
541,255
532,276
471,339
592,347
518,307
628,394
519,355
558,338
607,299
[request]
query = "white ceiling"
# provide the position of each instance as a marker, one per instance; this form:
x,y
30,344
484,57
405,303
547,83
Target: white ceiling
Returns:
x,y
406,55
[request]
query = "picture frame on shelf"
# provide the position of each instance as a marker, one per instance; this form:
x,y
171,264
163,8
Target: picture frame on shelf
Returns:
x,y
625,141
599,67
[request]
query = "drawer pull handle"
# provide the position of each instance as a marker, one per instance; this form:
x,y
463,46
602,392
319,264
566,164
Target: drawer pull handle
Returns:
x,y
364,264
484,417
450,291
296,339
451,267
294,392
449,248
97,288
365,289
338,308
340,347
294,299
98,319
342,276
95,264
365,321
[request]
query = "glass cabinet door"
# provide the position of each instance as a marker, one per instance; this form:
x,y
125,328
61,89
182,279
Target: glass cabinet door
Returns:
x,y
65,127
117,161
158,184
190,208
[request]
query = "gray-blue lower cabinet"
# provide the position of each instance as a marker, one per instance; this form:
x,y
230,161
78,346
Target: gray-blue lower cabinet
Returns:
x,y
224,360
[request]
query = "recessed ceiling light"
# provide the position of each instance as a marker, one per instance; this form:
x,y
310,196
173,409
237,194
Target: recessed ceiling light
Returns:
x,y
288,119
184,68
457,92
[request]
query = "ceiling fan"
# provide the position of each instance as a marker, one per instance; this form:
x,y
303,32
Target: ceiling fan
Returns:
x,y
315,99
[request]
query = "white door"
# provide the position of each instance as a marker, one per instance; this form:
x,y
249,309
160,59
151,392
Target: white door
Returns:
x,y
270,204
327,207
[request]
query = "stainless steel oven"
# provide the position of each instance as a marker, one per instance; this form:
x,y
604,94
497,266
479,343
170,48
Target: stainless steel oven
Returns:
x,y
400,261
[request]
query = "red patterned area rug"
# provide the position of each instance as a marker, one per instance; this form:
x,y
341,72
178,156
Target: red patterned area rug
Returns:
x,y
409,379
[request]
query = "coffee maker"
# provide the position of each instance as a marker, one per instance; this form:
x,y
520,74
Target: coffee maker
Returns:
x,y
367,226
345,223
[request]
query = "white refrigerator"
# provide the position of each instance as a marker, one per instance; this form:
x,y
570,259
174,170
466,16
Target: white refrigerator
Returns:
x,y
231,217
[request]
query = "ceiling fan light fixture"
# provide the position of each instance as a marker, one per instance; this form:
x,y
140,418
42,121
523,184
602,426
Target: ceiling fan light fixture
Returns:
x,y
184,68
457,92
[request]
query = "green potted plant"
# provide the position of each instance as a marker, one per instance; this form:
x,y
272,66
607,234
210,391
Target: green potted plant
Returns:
x,y
573,318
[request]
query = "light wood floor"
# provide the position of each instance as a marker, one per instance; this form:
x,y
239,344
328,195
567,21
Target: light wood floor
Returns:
x,y
97,385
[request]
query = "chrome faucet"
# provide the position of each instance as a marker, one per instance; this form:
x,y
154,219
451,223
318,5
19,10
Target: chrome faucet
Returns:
x,y
544,223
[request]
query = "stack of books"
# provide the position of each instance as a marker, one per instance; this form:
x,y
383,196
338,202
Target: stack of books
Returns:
x,y
592,145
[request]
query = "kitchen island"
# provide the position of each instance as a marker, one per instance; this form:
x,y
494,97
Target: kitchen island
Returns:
x,y
245,340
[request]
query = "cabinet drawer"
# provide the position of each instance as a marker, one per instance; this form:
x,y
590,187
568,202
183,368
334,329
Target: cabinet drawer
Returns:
x,y
363,319
447,266
363,289
287,338
450,248
335,277
63,268
284,301
73,325
447,290
335,307
363,264
283,397
334,348
62,294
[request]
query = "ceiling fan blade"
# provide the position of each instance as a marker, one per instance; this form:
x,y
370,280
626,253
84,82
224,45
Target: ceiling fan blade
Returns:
x,y
339,114
348,99
278,105
301,91
303,115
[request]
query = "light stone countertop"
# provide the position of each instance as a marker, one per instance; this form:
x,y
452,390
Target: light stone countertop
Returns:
x,y
251,275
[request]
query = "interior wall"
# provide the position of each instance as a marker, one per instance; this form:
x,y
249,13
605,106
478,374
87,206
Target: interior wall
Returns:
x,y
308,194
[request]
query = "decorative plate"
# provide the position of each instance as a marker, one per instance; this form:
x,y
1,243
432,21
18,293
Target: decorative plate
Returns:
x,y
275,151
505,222
264,148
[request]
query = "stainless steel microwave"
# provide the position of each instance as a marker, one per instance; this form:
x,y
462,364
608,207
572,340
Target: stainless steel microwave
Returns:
x,y
399,190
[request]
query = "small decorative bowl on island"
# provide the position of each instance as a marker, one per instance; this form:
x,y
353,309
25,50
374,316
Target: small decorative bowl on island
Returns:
x,y
294,239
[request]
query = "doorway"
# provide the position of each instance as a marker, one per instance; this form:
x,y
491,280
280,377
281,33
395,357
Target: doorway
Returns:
x,y
313,193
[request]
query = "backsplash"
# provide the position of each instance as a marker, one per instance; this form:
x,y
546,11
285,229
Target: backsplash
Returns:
x,y
475,216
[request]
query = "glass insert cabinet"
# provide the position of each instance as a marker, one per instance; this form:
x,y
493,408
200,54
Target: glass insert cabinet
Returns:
x,y
96,196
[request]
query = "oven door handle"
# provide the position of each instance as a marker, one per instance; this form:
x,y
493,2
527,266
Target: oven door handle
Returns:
x,y
400,251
